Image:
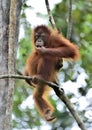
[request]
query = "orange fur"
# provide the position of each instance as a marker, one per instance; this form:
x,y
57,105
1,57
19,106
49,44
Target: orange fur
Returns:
x,y
42,64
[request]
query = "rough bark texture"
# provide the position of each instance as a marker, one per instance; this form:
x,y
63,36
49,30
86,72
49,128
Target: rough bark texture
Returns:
x,y
4,22
4,35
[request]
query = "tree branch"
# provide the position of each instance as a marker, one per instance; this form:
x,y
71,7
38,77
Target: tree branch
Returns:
x,y
59,92
51,19
52,85
69,28
69,105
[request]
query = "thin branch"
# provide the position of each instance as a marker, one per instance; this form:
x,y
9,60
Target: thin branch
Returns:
x,y
51,19
69,29
53,85
15,76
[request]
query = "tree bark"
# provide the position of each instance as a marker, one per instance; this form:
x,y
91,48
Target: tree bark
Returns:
x,y
4,22
4,38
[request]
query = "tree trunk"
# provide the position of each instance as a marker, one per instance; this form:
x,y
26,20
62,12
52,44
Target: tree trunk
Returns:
x,y
4,37
4,22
